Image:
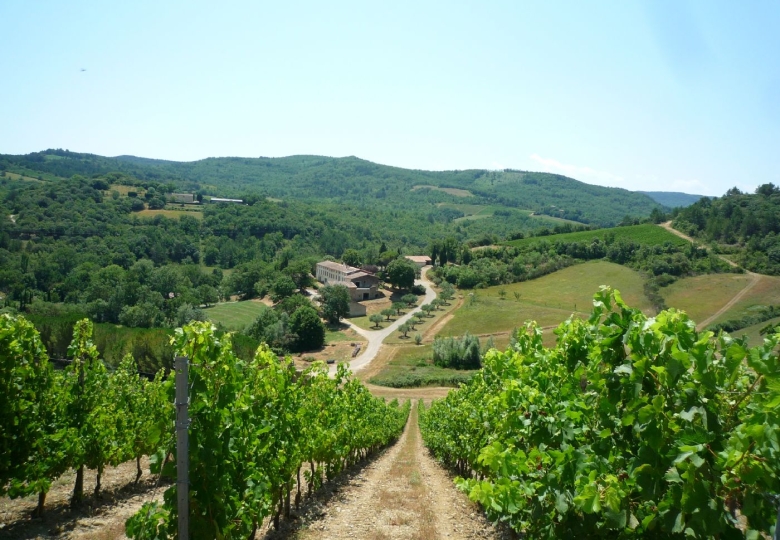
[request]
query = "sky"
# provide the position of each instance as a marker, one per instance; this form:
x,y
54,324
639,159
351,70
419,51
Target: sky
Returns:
x,y
662,95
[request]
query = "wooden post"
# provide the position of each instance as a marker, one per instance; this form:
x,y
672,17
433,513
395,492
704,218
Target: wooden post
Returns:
x,y
182,447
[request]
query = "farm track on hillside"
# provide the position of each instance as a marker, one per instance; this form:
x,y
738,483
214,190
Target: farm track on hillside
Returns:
x,y
754,279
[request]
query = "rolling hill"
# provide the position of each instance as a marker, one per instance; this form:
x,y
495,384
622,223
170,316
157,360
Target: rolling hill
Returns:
x,y
672,199
355,180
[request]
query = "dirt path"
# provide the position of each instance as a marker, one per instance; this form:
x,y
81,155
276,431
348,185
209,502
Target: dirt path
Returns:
x,y
754,279
431,332
668,226
405,494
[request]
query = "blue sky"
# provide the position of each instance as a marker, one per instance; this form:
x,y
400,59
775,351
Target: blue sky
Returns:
x,y
662,95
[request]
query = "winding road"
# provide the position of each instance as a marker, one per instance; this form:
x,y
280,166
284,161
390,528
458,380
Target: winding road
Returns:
x,y
376,337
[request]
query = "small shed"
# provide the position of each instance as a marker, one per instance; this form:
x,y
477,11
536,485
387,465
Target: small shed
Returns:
x,y
419,260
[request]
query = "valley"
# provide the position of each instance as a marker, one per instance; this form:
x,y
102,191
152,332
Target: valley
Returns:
x,y
110,240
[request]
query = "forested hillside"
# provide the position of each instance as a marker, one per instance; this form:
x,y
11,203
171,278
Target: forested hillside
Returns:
x,y
750,223
357,181
672,199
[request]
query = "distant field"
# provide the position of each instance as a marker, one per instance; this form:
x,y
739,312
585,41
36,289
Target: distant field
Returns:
x,y
766,292
548,300
479,211
14,176
173,214
452,191
752,332
643,234
701,296
234,315
124,190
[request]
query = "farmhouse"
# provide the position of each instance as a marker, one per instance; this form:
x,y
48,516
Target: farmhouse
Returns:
x,y
183,198
361,285
419,260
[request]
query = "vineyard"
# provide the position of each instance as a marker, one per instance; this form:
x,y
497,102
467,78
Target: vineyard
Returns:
x,y
257,427
628,428
646,234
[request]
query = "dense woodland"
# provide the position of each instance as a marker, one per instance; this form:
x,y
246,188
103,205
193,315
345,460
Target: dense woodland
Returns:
x,y
355,181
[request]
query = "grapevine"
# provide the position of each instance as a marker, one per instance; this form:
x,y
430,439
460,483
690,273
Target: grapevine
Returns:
x,y
629,427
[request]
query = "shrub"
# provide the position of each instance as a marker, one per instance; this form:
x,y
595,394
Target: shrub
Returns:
x,y
451,352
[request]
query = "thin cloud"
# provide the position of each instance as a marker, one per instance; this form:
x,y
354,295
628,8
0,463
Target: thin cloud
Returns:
x,y
577,171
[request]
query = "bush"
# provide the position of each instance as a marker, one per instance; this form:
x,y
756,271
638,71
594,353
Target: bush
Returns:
x,y
451,352
306,324
417,380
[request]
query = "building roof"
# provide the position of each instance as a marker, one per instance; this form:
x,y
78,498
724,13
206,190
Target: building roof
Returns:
x,y
338,267
220,199
419,258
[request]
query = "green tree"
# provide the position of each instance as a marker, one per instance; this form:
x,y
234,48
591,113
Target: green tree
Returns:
x,y
404,329
352,257
409,299
445,296
457,353
400,273
376,319
283,287
207,294
300,272
335,302
291,304
307,325
389,312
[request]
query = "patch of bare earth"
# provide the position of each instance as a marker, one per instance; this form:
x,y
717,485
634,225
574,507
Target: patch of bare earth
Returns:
x,y
99,518
404,494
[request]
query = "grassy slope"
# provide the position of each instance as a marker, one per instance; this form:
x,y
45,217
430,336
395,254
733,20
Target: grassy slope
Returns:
x,y
766,292
548,300
234,315
752,332
645,234
702,296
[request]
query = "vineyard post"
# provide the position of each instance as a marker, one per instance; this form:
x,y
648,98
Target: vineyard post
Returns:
x,y
182,447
